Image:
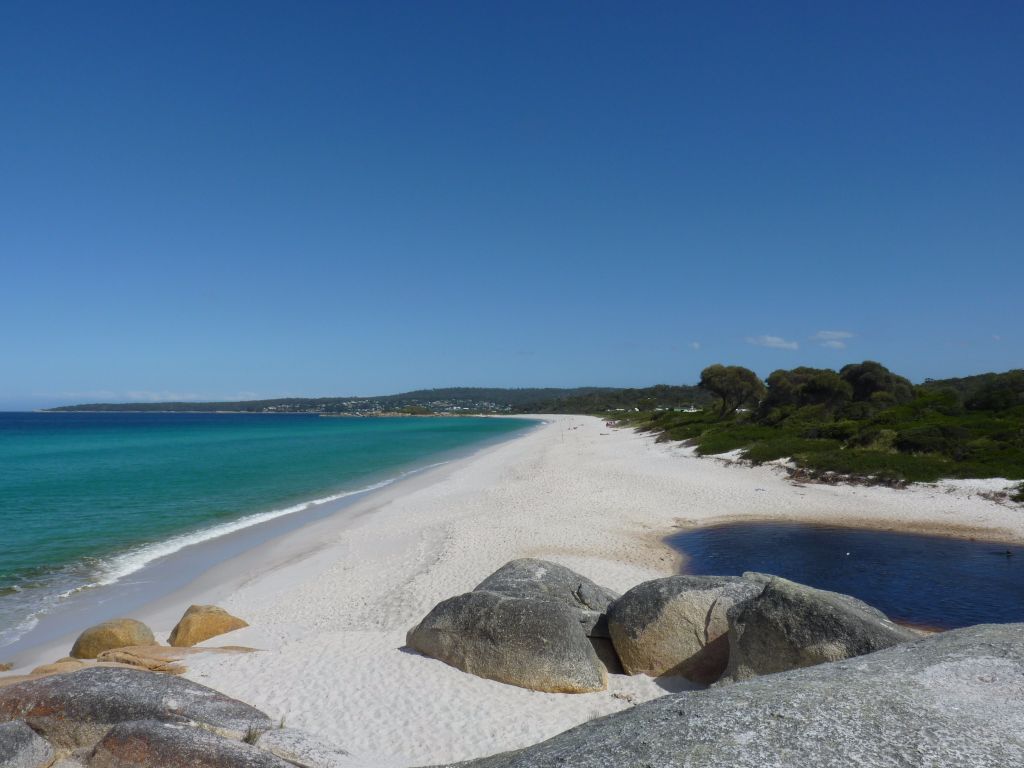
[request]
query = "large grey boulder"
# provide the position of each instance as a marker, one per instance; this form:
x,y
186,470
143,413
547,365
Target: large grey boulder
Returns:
x,y
955,698
790,625
304,750
21,747
77,709
677,625
532,643
529,577
155,744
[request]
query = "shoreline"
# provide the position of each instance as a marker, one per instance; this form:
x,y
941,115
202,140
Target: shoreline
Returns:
x,y
330,602
597,500
988,527
214,559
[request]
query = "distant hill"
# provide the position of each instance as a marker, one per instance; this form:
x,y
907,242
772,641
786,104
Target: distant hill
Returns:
x,y
518,400
446,400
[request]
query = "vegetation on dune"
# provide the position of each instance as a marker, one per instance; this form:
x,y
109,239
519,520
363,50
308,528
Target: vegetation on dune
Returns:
x,y
734,386
864,421
613,400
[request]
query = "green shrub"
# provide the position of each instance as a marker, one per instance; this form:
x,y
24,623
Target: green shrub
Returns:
x,y
787,447
946,440
896,432
1018,495
839,430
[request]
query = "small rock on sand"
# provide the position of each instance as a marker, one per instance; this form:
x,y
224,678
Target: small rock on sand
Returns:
x,y
201,622
116,633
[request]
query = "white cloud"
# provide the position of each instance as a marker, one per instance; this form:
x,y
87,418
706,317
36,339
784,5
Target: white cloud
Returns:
x,y
772,342
832,339
695,344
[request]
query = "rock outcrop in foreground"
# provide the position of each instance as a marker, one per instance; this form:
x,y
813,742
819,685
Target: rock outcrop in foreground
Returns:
x,y
678,625
789,626
78,709
541,626
955,698
531,623
536,644
150,743
531,578
20,747
108,717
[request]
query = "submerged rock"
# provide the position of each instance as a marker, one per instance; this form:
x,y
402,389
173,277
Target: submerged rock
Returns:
x,y
77,709
21,747
201,622
115,633
677,625
955,698
532,643
790,625
151,743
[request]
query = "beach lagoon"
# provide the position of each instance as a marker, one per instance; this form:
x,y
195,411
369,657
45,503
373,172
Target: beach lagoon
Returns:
x,y
935,582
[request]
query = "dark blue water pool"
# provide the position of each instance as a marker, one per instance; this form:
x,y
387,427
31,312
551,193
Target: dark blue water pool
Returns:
x,y
924,580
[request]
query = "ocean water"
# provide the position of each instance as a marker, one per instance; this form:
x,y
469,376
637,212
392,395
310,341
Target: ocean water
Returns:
x,y
929,581
87,499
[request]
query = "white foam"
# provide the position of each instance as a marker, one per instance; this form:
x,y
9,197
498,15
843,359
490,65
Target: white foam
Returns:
x,y
11,635
124,564
127,563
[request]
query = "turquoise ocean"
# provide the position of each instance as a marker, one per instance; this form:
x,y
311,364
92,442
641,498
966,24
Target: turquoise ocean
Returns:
x,y
87,499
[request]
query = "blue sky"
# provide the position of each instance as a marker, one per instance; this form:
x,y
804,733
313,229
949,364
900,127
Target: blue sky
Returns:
x,y
221,200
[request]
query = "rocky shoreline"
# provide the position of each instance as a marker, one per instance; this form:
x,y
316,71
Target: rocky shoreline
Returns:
x,y
794,676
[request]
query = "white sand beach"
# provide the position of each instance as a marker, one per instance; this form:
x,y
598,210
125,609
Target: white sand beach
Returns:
x,y
329,605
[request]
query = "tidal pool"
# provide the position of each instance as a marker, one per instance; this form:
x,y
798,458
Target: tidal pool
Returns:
x,y
929,581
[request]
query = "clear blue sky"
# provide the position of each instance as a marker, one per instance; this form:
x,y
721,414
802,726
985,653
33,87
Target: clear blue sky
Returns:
x,y
222,200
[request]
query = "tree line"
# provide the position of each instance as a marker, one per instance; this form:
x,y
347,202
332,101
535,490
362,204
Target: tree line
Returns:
x,y
863,420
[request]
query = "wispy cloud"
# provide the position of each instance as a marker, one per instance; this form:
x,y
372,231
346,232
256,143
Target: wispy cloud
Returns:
x,y
832,339
772,342
695,344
